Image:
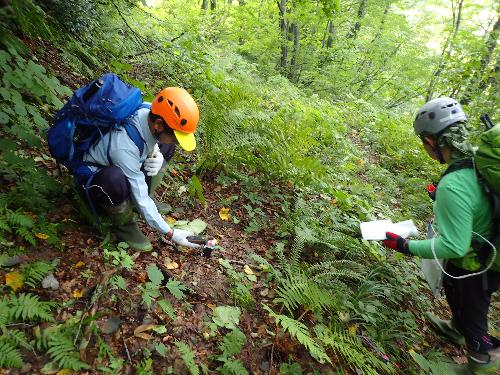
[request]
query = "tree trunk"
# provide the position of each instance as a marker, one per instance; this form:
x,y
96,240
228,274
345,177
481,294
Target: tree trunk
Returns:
x,y
284,33
213,4
447,49
204,5
361,12
292,73
479,75
331,31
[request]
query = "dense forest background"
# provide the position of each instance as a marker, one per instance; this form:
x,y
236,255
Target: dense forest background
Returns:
x,y
305,131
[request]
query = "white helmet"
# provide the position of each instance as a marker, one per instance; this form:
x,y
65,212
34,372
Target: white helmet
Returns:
x,y
436,115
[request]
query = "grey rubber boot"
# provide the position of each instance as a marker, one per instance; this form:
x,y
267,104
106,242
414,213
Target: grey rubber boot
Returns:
x,y
480,364
126,228
445,328
163,208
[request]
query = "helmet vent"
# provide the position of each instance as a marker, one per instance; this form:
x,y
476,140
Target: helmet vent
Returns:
x,y
432,115
170,103
176,110
453,111
184,121
160,99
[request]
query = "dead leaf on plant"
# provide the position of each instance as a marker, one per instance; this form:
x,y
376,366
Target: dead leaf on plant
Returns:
x,y
140,331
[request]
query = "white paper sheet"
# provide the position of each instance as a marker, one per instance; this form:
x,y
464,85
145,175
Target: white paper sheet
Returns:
x,y
375,230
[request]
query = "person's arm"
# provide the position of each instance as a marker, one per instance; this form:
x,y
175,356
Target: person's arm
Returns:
x,y
453,215
130,164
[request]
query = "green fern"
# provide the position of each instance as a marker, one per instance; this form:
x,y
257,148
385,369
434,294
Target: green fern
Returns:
x,y
298,290
233,367
300,332
188,357
28,307
63,352
352,350
16,219
18,337
33,273
10,356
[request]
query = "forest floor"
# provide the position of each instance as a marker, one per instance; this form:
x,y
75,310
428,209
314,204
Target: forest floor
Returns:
x,y
124,321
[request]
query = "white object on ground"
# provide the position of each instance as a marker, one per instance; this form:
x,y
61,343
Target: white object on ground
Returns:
x,y
375,230
50,281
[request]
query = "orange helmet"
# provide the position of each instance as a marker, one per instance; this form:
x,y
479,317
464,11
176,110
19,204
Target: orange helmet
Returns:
x,y
180,112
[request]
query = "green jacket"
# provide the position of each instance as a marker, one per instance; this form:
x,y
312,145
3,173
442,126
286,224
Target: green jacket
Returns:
x,y
461,207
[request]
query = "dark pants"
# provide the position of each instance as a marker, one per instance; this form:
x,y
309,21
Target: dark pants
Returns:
x,y
469,300
110,187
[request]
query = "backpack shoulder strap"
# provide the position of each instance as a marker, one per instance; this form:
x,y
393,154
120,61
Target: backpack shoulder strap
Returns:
x,y
457,165
135,136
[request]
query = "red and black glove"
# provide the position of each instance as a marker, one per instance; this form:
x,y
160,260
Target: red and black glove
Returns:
x,y
397,243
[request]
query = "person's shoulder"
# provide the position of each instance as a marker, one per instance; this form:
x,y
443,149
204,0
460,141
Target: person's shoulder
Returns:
x,y
460,180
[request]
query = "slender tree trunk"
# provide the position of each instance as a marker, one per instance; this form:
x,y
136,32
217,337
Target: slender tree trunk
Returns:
x,y
479,75
357,26
213,4
447,49
284,33
292,73
331,31
204,5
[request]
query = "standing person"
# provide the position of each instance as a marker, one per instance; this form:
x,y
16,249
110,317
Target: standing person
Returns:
x,y
125,177
463,221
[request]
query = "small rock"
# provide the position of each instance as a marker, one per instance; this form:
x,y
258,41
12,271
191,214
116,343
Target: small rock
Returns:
x,y
26,368
264,292
12,261
254,335
50,282
264,366
111,325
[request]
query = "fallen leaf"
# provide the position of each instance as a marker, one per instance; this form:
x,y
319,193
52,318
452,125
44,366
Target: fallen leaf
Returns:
x,y
224,213
172,265
211,306
77,293
352,330
42,236
140,331
65,371
247,270
206,335
14,280
78,265
171,220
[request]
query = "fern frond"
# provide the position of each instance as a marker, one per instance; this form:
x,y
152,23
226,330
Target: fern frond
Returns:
x,y
233,367
19,338
352,350
28,308
327,273
298,290
10,356
300,331
62,351
25,234
4,226
18,220
33,273
188,357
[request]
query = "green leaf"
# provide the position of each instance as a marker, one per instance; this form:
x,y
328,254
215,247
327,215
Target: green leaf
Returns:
x,y
188,357
161,349
176,288
232,343
226,316
149,293
155,274
196,226
166,306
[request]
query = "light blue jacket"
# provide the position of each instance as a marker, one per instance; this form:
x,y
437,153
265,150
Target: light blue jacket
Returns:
x,y
124,154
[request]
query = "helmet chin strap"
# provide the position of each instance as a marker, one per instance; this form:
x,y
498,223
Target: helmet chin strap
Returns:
x,y
439,154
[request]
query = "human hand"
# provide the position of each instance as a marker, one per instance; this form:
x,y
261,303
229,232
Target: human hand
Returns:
x,y
179,236
153,164
397,243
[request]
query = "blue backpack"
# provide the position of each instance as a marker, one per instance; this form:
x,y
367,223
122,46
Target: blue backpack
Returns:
x,y
92,111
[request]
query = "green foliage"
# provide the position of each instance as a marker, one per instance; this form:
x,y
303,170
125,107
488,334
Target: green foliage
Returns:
x,y
195,189
31,19
232,345
300,332
154,274
33,273
177,288
149,293
145,367
167,308
10,356
352,351
226,316
62,350
26,307
187,356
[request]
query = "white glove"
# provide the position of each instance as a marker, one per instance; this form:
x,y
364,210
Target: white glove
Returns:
x,y
154,162
179,237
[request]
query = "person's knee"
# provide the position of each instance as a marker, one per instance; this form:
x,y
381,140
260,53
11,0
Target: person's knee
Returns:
x,y
109,187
